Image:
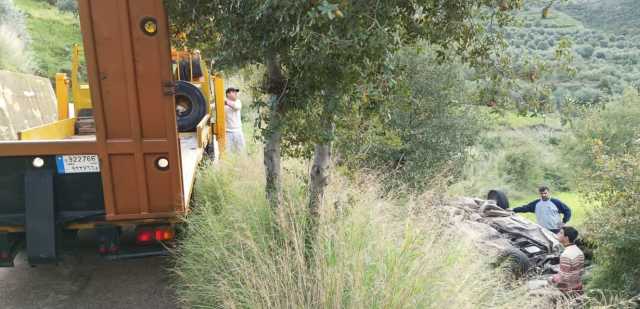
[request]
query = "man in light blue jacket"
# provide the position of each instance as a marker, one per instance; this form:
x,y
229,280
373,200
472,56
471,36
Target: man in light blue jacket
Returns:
x,y
548,211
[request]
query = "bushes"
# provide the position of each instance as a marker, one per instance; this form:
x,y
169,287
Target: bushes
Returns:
x,y
615,222
588,96
603,151
586,51
543,45
428,124
601,55
67,5
522,168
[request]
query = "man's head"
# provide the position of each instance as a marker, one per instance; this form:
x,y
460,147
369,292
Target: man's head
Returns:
x,y
196,54
232,93
567,235
545,194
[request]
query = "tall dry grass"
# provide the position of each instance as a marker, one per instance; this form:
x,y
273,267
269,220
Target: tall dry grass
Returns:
x,y
371,252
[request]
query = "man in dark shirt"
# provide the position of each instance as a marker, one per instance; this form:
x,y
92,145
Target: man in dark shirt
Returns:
x,y
548,211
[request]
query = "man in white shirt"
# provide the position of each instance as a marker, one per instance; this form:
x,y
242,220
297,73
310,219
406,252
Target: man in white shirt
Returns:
x,y
232,107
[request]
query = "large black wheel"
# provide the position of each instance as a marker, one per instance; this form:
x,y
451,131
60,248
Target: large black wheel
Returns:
x,y
501,199
515,261
191,106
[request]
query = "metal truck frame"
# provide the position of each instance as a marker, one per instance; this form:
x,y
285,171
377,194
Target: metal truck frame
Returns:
x,y
136,171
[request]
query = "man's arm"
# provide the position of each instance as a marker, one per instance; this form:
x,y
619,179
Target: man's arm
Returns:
x,y
237,105
564,209
531,207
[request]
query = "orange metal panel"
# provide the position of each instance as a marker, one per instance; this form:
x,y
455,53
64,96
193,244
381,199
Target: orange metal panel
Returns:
x,y
128,60
157,179
124,186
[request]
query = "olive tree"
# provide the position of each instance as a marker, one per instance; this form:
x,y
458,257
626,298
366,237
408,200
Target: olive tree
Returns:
x,y
323,58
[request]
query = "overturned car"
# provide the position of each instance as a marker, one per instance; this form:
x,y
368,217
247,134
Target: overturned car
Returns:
x,y
521,245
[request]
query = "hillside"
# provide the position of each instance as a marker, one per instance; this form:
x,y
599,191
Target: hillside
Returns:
x,y
616,16
52,32
605,62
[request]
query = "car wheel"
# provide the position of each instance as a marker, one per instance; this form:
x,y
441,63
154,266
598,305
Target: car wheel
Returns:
x,y
515,261
501,199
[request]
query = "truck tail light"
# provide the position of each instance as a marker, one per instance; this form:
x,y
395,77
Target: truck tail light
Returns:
x,y
164,234
144,237
148,236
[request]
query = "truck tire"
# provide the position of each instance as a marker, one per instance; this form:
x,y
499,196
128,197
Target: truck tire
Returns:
x,y
191,106
501,199
515,261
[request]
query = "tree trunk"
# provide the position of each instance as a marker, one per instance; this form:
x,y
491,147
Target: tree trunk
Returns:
x,y
272,160
318,181
275,86
319,177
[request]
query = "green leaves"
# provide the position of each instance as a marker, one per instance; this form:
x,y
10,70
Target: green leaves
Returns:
x,y
603,151
332,53
329,10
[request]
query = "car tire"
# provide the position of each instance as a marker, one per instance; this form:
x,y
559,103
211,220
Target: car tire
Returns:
x,y
500,197
515,261
191,106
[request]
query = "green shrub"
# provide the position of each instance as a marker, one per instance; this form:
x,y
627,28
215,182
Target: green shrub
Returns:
x,y
603,152
588,95
586,51
556,178
429,124
543,45
67,5
601,55
606,84
522,168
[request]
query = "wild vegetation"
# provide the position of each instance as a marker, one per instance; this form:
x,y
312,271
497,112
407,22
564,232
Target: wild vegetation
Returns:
x,y
431,104
545,107
604,152
428,116
53,31
605,48
371,252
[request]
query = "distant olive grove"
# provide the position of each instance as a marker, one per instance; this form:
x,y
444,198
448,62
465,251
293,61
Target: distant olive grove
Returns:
x,y
605,58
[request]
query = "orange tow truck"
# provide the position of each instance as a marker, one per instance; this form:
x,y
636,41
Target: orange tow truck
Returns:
x,y
135,169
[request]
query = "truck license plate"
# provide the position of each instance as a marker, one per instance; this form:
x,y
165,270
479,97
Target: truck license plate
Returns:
x,y
73,164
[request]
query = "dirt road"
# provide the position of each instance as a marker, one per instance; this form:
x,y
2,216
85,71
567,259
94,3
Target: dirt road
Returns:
x,y
85,280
